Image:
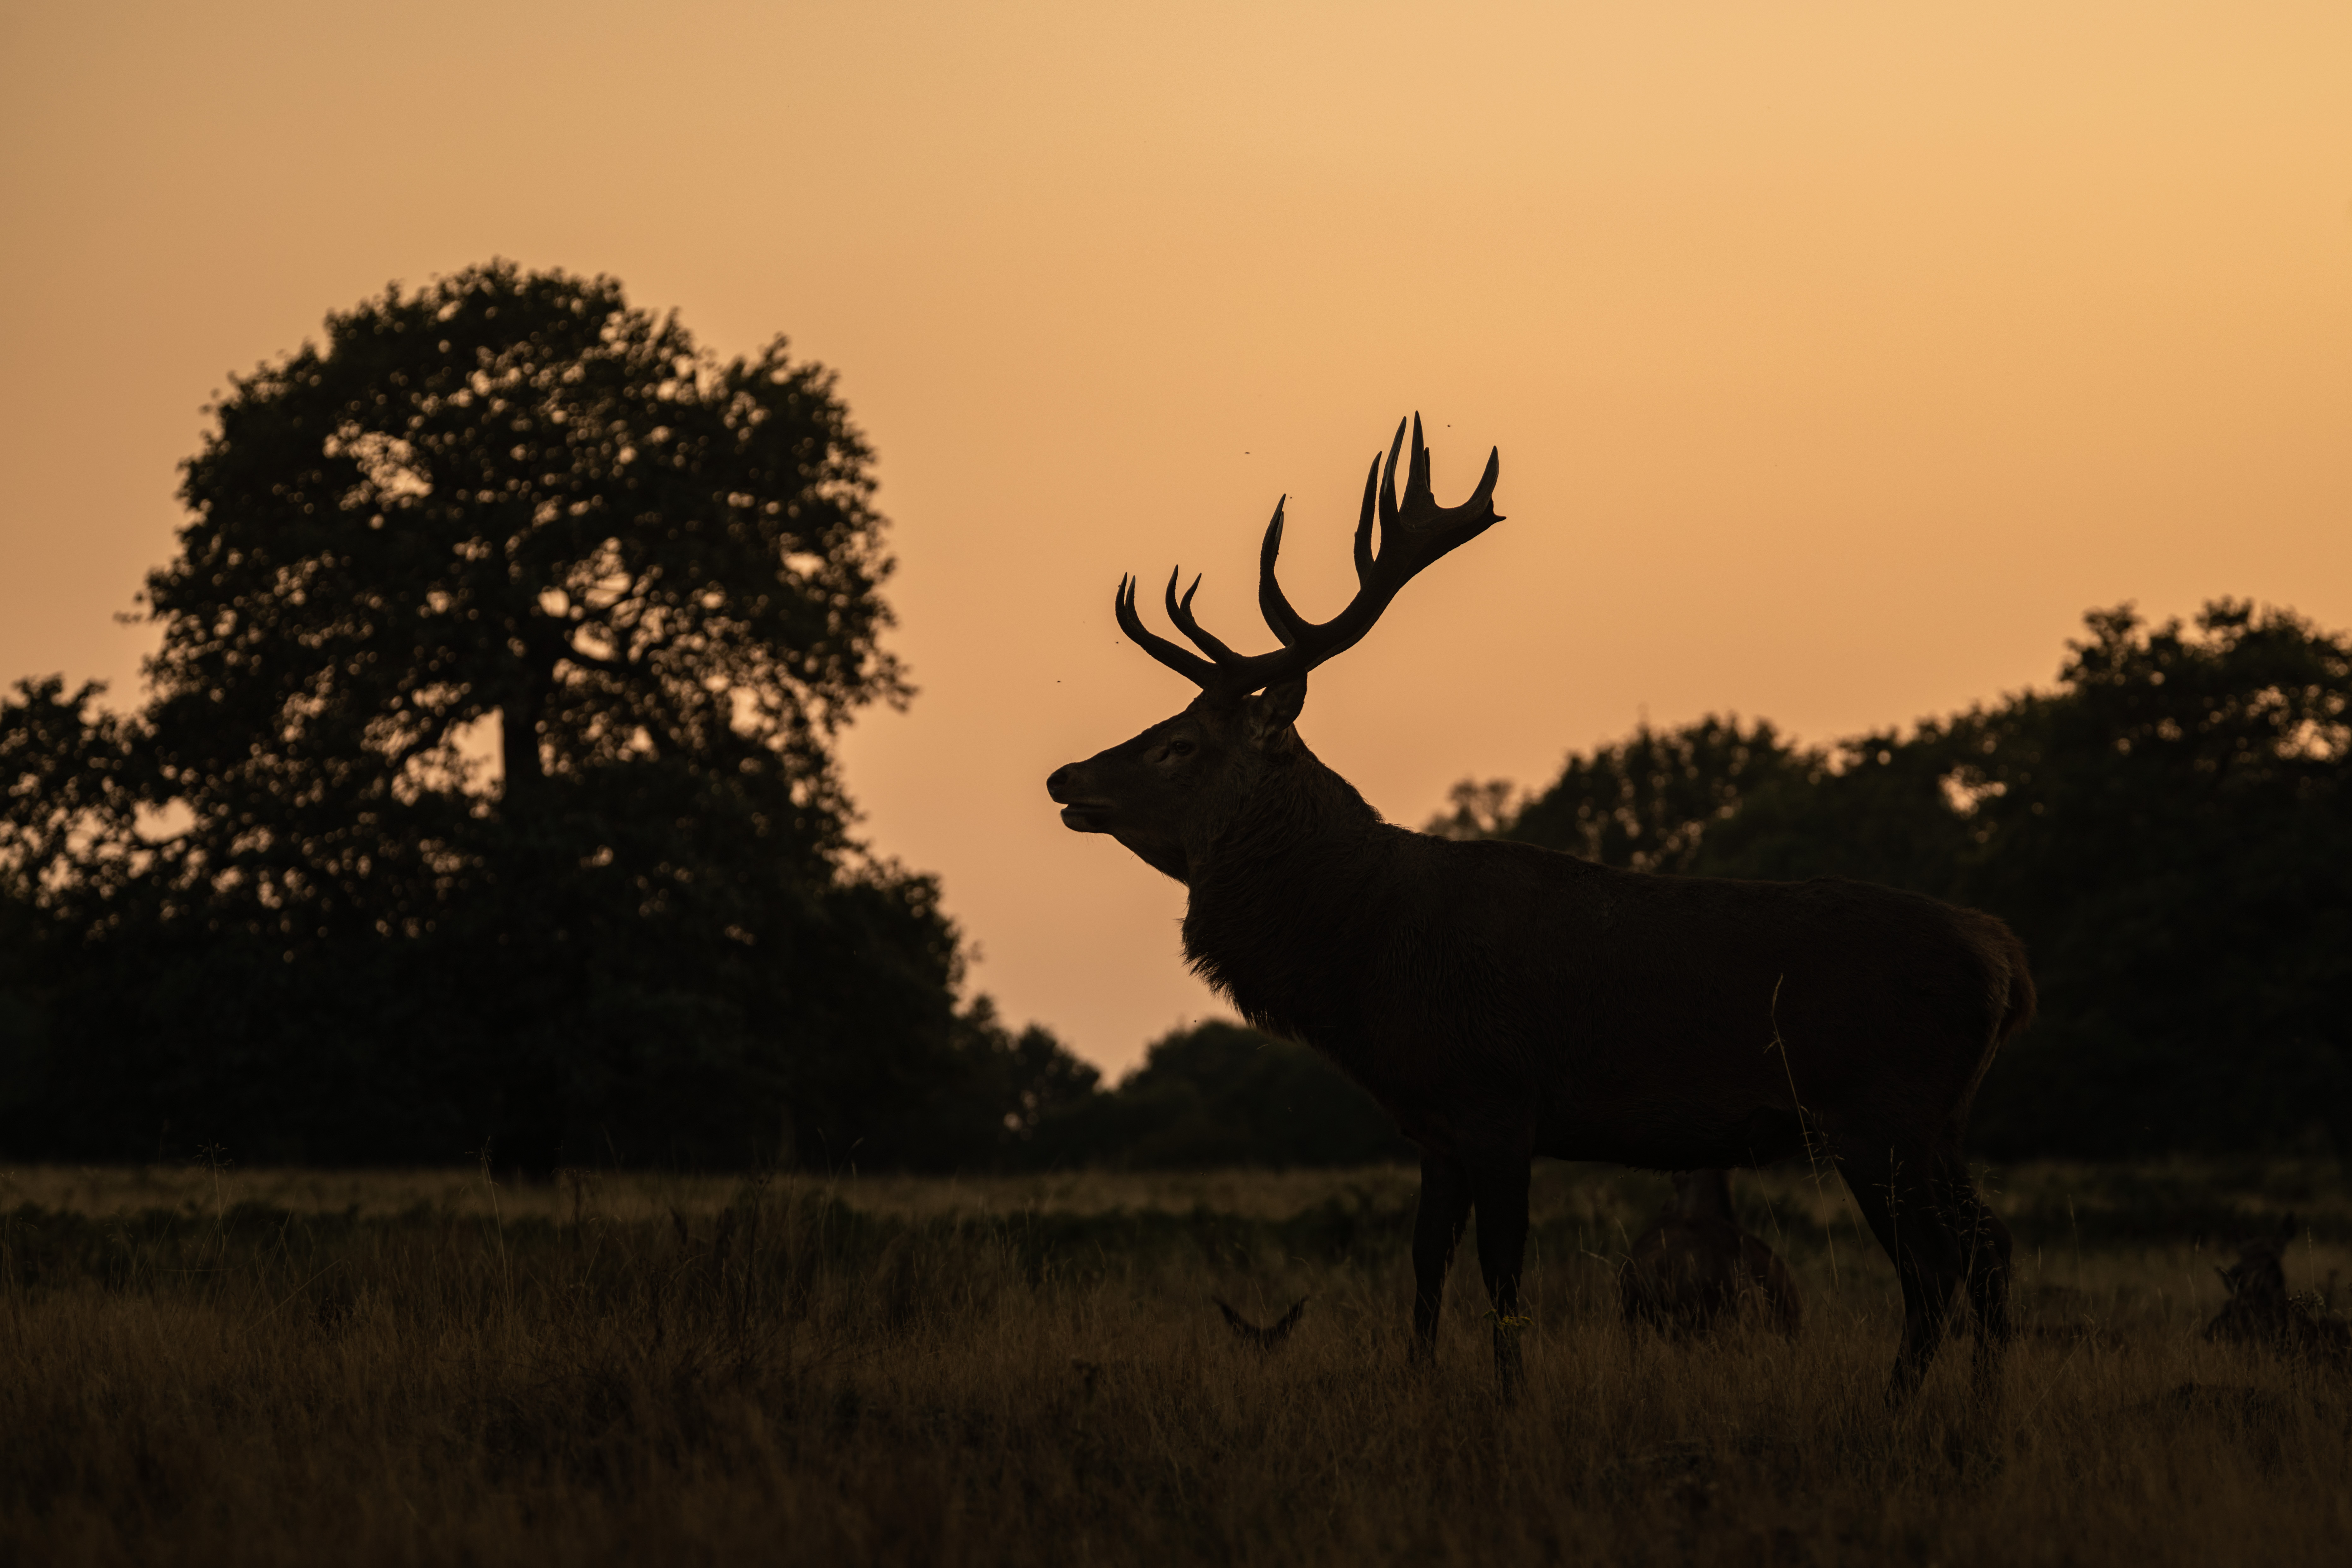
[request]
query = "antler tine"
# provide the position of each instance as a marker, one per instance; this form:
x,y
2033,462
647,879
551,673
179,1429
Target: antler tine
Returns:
x,y
1364,523
1485,494
1199,672
1271,602
1417,486
1387,483
1181,612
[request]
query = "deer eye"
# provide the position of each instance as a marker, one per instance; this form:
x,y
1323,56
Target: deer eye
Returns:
x,y
1179,748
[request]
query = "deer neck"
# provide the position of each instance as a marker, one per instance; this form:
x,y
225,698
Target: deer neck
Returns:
x,y
1280,890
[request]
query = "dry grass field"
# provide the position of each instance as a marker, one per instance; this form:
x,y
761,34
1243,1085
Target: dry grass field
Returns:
x,y
299,1367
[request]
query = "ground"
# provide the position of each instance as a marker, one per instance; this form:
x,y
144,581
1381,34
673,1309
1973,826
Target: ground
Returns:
x,y
208,1364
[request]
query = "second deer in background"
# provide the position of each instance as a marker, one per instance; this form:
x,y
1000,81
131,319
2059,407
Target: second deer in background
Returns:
x,y
2260,1313
1695,1267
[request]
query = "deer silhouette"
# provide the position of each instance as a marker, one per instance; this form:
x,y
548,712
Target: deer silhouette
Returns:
x,y
2261,1314
1694,1266
1502,1001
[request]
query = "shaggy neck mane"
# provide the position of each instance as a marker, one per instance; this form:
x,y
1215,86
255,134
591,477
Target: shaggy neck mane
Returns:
x,y
1280,895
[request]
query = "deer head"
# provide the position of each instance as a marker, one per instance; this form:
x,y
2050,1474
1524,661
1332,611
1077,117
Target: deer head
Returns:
x,y
1163,794
2260,1273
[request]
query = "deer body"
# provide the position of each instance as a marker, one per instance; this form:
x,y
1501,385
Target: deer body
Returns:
x,y
1503,1000
1597,1014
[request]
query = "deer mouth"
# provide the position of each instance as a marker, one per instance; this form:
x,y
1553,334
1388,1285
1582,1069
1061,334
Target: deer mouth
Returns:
x,y
1080,814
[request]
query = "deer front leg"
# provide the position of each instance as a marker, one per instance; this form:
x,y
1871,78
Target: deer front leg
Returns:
x,y
1500,1190
1436,1229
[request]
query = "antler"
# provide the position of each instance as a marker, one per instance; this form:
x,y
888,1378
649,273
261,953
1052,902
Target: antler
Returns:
x,y
1413,534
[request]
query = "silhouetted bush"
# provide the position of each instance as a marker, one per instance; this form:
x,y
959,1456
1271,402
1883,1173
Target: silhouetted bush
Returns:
x,y
1219,1094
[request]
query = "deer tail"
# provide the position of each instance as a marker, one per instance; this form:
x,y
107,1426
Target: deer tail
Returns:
x,y
2019,1012
2009,993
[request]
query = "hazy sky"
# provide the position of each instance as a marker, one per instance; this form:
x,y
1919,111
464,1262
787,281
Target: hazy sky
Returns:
x,y
1840,355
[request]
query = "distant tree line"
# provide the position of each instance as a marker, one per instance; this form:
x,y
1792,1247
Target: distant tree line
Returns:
x,y
1212,1094
2169,830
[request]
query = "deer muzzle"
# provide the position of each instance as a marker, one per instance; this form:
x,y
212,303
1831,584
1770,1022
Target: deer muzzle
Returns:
x,y
1080,813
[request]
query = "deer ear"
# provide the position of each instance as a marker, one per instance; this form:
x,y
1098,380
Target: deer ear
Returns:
x,y
1271,711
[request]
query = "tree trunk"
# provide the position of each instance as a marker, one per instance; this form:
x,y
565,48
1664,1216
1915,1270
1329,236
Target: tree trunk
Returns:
x,y
519,741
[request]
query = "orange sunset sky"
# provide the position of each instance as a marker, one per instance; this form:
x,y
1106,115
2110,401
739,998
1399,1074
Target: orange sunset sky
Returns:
x,y
1840,355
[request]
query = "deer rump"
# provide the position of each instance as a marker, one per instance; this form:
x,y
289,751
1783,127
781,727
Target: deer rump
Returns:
x,y
1504,1001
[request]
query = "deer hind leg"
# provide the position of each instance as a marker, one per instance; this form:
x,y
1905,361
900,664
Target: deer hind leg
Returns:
x,y
1500,1190
1897,1197
1437,1222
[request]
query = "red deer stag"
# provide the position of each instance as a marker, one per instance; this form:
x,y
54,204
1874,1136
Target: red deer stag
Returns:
x,y
1503,1000
1695,1265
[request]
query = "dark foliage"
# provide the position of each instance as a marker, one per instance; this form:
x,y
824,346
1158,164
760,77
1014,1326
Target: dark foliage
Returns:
x,y
1645,804
2170,829
1219,1094
486,797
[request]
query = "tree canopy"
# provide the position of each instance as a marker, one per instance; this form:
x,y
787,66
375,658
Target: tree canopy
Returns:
x,y
486,793
512,500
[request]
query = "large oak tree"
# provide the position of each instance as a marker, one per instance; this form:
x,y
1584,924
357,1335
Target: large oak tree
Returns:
x,y
487,776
